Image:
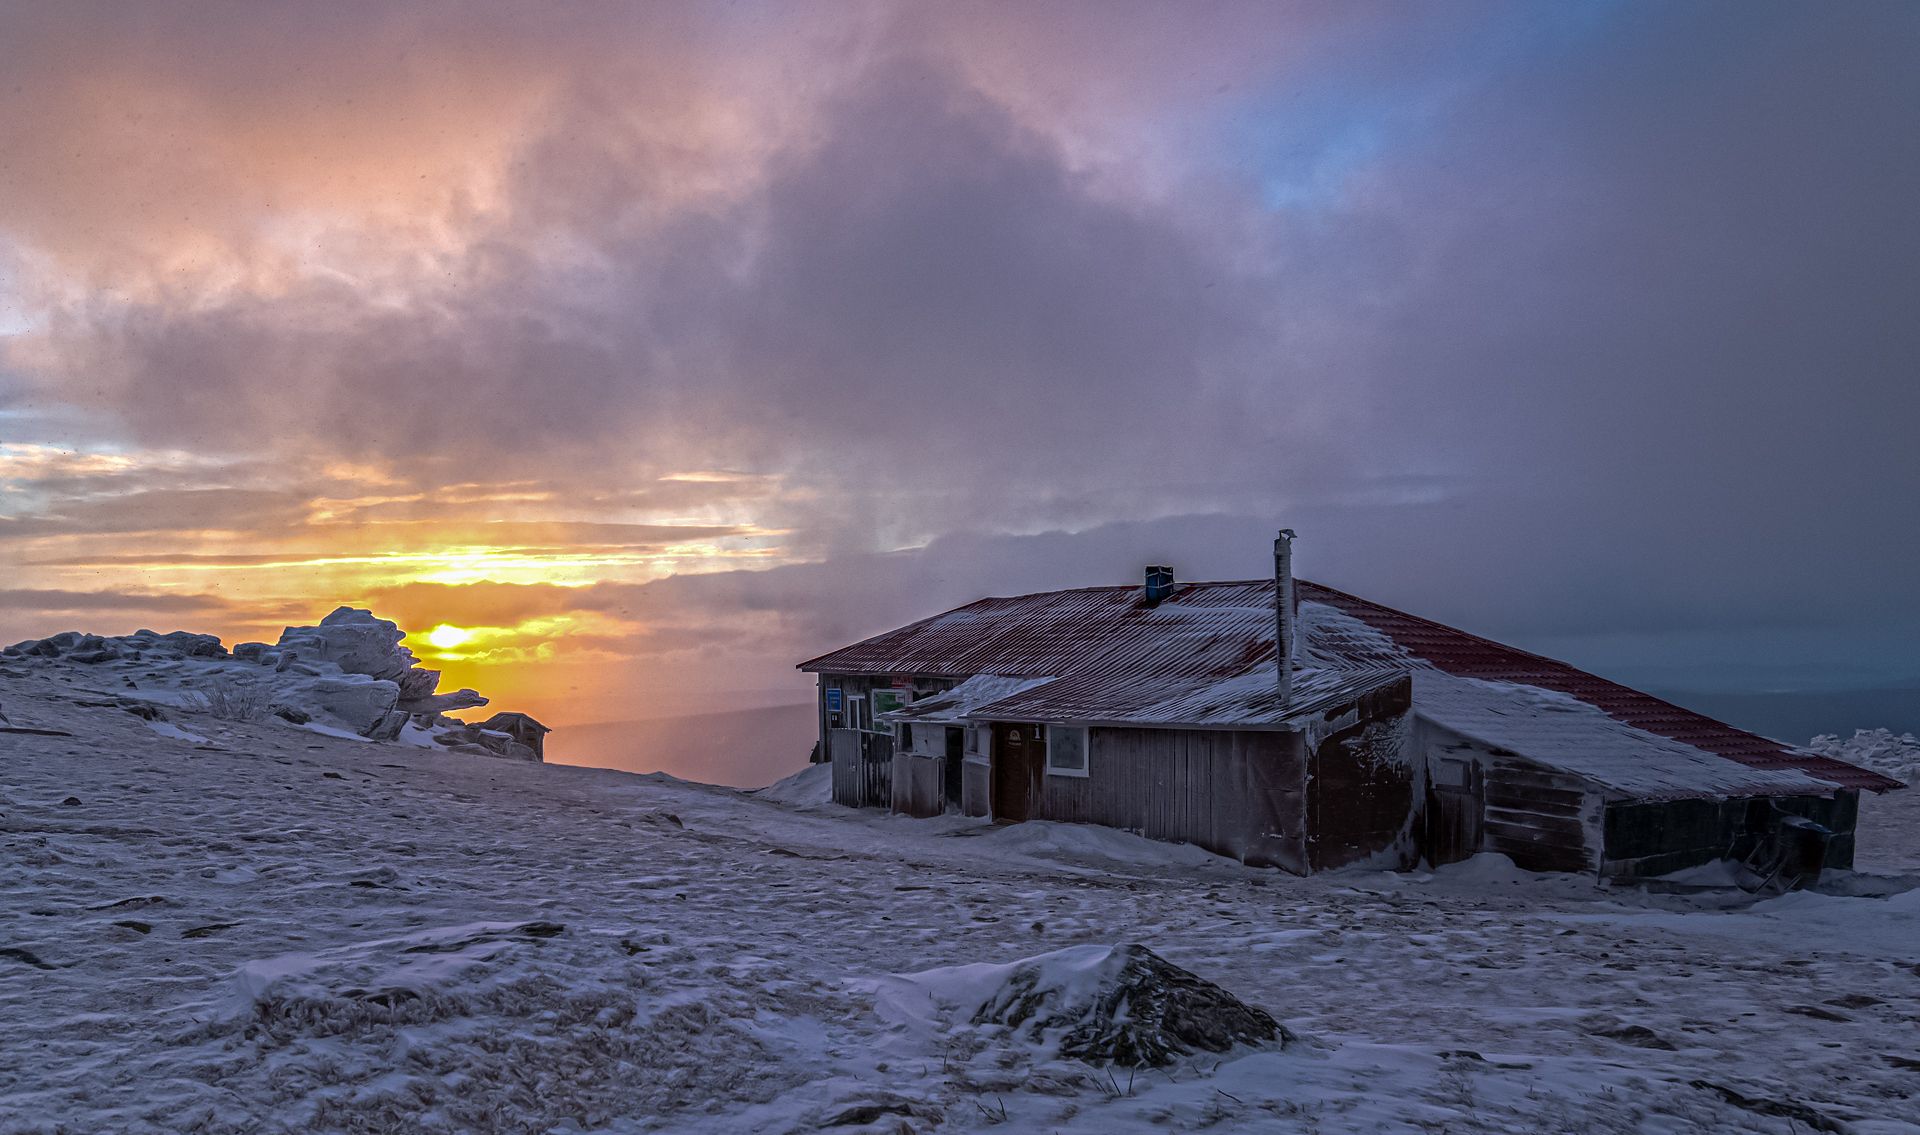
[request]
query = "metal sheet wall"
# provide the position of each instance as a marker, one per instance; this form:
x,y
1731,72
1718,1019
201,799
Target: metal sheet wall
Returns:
x,y
918,785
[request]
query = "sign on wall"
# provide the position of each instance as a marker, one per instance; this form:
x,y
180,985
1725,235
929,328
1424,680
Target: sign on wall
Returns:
x,y
834,702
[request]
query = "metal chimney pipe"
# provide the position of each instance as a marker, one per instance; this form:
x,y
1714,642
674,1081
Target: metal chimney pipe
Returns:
x,y
1284,634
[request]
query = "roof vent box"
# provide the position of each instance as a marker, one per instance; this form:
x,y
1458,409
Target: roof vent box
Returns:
x,y
1159,584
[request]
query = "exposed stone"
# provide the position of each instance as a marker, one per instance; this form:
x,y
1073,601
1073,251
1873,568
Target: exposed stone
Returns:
x,y
356,703
445,703
1131,1007
416,684
388,727
354,640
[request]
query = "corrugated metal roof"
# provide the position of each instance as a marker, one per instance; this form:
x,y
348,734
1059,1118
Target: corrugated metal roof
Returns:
x,y
1468,655
1115,656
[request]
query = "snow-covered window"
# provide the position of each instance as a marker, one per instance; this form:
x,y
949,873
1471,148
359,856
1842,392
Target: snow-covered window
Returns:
x,y
1066,750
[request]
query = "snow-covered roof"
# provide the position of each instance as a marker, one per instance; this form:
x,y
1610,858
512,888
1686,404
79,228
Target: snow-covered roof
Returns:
x,y
962,700
1204,657
1247,700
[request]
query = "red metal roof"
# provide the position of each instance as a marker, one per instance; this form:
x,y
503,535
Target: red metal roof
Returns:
x,y
1208,632
1471,656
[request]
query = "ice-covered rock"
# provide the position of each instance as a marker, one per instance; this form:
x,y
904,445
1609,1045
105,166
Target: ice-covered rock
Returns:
x,y
444,703
355,640
347,674
352,701
1882,750
1122,1005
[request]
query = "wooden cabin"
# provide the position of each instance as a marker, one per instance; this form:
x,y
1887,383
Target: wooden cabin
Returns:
x,y
1308,731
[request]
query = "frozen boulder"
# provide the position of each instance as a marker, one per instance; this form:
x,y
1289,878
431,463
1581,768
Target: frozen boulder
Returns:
x,y
416,684
352,702
354,640
443,703
1122,1005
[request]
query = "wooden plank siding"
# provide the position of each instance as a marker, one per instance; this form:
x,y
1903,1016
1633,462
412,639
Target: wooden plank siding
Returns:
x,y
1536,817
1541,819
1235,793
1647,838
862,760
1362,795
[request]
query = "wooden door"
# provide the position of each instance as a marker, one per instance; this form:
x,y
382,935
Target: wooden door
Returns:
x,y
1456,804
1019,759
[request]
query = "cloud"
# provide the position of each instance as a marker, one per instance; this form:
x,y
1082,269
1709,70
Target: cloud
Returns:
x,y
1552,322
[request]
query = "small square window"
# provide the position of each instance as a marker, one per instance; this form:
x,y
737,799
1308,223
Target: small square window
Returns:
x,y
1066,750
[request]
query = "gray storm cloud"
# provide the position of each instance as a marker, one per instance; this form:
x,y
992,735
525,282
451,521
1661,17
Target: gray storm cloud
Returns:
x,y
1606,329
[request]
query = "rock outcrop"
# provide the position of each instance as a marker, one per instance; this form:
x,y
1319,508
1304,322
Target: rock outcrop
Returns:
x,y
1125,1005
349,672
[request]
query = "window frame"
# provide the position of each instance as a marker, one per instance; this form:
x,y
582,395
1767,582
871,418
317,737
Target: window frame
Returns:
x,y
1086,753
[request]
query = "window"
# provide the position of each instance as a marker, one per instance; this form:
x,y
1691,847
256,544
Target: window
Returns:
x,y
1066,750
885,701
905,741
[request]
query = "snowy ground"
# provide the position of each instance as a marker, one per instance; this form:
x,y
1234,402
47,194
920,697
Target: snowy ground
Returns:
x,y
274,930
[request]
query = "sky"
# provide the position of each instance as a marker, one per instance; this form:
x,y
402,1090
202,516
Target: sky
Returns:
x,y
642,351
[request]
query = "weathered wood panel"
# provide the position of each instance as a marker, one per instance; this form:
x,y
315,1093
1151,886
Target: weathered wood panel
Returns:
x,y
1646,838
848,785
863,778
1362,787
1539,818
1235,793
1542,819
862,769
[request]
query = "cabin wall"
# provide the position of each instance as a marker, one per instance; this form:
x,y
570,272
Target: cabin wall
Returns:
x,y
1235,793
1541,819
1643,839
919,770
863,760
1364,800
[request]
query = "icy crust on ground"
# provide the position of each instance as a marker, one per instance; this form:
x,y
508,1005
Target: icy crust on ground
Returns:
x,y
286,932
347,676
1895,754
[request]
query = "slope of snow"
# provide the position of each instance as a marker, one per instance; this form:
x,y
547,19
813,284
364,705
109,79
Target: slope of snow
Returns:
x,y
274,930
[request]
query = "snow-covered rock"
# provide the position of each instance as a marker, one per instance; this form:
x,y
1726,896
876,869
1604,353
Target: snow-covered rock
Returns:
x,y
1882,750
354,640
349,674
1122,1005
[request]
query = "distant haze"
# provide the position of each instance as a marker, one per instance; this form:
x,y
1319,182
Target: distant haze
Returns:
x,y
629,354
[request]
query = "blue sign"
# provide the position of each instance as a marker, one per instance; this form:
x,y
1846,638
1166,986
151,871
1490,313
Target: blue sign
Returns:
x,y
833,699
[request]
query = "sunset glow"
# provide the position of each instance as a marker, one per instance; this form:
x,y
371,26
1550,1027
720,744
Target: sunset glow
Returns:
x,y
446,637
652,348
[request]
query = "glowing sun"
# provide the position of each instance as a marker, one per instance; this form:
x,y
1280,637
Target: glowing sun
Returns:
x,y
446,637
